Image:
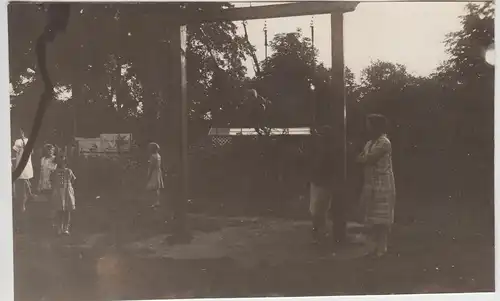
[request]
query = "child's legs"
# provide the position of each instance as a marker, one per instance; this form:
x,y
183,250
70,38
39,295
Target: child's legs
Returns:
x,y
319,222
59,219
47,193
19,204
18,214
157,197
152,198
66,219
320,201
380,235
22,193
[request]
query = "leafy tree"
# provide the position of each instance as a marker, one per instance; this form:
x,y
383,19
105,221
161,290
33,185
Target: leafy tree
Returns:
x,y
468,82
467,46
471,80
117,72
115,75
292,80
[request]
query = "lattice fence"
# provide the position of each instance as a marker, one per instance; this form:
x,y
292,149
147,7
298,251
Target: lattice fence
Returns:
x,y
218,141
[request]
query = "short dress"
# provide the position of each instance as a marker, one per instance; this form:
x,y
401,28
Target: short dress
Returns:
x,y
63,194
155,181
47,166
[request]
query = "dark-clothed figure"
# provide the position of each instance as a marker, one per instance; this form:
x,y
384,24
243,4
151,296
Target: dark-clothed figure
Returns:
x,y
321,181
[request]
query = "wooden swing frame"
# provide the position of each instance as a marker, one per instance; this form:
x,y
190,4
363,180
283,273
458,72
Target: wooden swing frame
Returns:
x,y
178,75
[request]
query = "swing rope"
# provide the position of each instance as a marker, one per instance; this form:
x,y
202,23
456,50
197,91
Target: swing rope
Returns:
x,y
252,51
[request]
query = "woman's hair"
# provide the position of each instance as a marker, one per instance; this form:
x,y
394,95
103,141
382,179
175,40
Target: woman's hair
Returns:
x,y
153,147
47,148
378,123
61,161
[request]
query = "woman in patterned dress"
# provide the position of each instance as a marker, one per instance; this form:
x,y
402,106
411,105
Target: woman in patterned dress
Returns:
x,y
63,195
155,173
378,195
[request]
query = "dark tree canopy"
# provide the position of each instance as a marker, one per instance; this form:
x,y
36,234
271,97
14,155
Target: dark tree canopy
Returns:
x,y
110,66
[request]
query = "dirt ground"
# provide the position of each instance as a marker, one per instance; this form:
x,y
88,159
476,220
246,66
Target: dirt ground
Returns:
x,y
116,253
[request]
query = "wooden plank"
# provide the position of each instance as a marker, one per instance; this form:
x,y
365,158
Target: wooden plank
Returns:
x,y
269,11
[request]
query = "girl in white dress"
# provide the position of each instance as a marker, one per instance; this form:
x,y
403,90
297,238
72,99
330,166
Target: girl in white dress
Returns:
x,y
155,173
63,195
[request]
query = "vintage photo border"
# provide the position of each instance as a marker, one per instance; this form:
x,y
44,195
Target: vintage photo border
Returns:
x,y
6,233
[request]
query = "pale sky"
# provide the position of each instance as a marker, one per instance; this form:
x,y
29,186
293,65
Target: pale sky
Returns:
x,y
408,33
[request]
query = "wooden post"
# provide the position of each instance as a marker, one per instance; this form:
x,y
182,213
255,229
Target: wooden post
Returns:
x,y
179,104
184,114
338,111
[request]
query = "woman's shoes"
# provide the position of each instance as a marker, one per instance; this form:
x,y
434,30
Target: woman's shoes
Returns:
x,y
66,230
377,253
318,237
62,230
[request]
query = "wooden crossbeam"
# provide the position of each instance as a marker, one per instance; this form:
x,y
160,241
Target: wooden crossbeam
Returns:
x,y
295,9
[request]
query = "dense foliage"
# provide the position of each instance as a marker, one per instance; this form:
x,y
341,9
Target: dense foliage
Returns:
x,y
110,67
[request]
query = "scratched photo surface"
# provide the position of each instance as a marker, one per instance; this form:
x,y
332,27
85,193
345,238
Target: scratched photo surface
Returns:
x,y
193,150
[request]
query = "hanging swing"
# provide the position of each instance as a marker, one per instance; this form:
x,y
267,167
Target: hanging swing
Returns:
x,y
221,137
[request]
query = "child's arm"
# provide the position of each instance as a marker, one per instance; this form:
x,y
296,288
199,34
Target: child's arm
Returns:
x,y
41,170
378,150
72,176
163,170
151,167
51,178
361,157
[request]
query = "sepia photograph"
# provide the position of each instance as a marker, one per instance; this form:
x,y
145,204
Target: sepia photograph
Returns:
x,y
177,150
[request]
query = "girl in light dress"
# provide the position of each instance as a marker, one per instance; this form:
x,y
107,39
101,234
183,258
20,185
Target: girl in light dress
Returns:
x,y
378,195
22,191
63,195
47,166
155,173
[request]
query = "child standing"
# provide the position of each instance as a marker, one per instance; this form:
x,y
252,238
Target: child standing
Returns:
x,y
321,182
155,173
47,166
63,195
